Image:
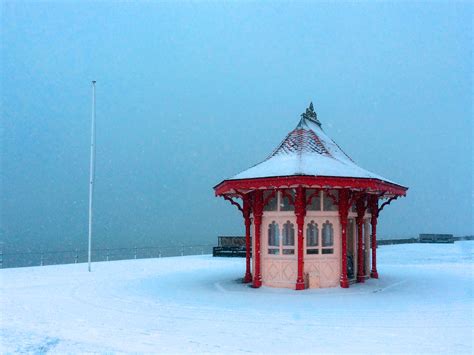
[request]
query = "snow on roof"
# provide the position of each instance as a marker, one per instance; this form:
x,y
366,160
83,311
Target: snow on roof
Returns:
x,y
307,150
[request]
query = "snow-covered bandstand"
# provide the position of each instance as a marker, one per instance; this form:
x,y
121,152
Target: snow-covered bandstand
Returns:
x,y
310,212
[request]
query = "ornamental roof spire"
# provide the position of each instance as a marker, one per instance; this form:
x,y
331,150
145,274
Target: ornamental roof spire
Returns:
x,y
307,151
311,115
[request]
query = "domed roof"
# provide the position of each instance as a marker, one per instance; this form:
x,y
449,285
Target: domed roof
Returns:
x,y
307,150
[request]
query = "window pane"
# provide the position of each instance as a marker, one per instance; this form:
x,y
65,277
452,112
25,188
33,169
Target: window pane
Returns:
x,y
288,251
312,251
350,228
312,234
288,233
272,203
273,234
274,251
328,203
285,201
315,204
328,251
328,237
350,236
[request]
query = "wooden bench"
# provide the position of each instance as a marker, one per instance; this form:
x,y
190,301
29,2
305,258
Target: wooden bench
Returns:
x,y
230,246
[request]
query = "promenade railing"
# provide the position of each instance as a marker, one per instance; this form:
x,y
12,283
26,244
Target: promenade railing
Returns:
x,y
54,257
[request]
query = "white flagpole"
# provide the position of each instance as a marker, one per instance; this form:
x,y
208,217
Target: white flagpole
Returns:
x,y
91,175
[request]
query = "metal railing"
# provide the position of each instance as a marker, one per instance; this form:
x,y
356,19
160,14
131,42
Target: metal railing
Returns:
x,y
55,257
41,258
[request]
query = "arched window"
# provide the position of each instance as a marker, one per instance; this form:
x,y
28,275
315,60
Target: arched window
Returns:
x,y
273,238
312,238
288,233
288,238
327,238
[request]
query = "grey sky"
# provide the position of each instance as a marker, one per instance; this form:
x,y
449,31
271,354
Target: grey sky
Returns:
x,y
191,93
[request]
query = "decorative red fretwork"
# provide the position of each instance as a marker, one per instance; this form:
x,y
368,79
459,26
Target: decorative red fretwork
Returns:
x,y
367,184
284,193
269,197
309,199
386,203
236,204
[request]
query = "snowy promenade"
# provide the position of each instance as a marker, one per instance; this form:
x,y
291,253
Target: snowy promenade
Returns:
x,y
423,303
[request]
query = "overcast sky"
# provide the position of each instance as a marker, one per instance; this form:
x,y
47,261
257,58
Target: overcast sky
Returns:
x,y
191,93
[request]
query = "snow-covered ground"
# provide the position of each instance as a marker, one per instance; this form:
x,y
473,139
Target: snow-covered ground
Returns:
x,y
423,303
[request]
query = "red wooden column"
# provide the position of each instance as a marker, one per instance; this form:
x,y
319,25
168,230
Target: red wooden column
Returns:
x,y
257,222
300,211
246,209
360,206
343,213
374,210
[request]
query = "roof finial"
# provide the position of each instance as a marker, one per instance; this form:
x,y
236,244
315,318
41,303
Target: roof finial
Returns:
x,y
311,115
